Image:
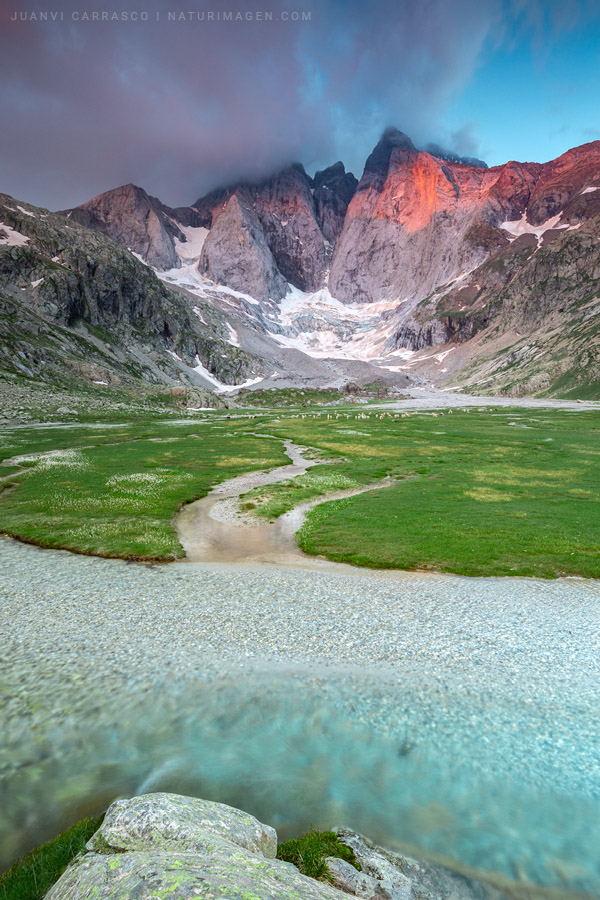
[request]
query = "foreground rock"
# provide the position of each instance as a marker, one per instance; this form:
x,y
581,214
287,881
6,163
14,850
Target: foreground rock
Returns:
x,y
169,820
165,845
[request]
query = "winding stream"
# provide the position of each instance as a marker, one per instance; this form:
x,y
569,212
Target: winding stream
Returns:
x,y
215,529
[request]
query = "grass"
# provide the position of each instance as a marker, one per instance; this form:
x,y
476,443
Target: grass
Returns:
x,y
32,876
115,493
476,492
308,853
489,492
274,500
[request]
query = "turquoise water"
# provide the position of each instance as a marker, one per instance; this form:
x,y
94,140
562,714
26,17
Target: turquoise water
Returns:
x,y
504,786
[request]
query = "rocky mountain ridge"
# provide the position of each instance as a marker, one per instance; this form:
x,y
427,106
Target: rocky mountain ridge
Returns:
x,y
75,304
430,264
79,309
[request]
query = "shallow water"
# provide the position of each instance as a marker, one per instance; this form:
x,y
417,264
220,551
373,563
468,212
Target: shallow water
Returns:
x,y
459,716
215,529
506,788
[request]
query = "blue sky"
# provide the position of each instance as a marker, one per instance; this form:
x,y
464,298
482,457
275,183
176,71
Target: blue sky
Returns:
x,y
533,98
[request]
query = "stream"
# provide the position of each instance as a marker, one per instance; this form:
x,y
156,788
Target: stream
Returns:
x,y
215,529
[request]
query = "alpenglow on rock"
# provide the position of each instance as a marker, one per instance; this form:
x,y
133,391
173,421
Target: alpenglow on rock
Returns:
x,y
447,252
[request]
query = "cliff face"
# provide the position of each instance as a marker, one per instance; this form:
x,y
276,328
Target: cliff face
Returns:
x,y
410,225
236,252
438,247
295,222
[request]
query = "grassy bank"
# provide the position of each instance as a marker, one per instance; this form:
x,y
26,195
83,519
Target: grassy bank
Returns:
x,y
505,492
477,492
114,492
32,876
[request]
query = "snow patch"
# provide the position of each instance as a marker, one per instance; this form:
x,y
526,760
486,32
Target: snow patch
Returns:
x,y
403,353
100,382
588,190
137,256
233,338
221,388
35,283
26,211
522,226
191,248
190,278
12,238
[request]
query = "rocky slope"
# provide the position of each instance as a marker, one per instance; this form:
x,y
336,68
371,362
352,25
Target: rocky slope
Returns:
x,y
142,223
428,250
75,304
160,845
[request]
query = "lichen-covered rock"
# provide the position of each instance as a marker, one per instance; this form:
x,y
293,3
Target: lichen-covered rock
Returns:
x,y
223,871
161,821
404,878
345,877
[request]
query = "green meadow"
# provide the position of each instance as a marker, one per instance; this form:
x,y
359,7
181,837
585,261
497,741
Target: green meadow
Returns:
x,y
476,492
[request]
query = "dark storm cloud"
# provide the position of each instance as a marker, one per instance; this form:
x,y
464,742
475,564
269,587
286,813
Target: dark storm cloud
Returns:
x,y
179,107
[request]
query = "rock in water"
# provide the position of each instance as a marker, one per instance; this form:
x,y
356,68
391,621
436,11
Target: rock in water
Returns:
x,y
159,821
345,877
166,845
403,878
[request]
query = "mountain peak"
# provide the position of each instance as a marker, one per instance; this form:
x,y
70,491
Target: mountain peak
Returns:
x,y
379,160
451,156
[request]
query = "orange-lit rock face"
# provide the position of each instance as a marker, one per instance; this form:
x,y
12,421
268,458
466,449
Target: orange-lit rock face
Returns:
x,y
416,222
419,185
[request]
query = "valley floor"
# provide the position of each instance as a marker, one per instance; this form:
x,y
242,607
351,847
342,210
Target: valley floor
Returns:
x,y
472,489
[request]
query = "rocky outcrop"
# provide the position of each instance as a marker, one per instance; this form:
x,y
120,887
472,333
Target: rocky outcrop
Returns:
x,y
166,845
236,253
333,189
401,877
348,879
287,212
290,229
139,222
161,821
